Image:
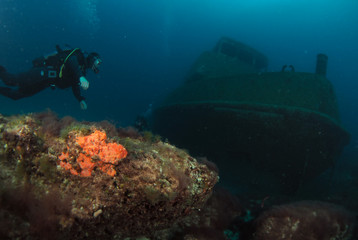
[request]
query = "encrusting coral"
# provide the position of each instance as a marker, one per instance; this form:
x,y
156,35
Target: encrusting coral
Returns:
x,y
96,153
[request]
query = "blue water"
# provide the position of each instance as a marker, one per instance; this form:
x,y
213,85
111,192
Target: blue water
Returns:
x,y
147,48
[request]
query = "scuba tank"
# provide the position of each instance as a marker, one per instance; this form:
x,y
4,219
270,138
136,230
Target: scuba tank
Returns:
x,y
54,59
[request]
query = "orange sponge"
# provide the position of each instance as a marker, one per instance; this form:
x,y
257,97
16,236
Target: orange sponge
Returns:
x,y
96,153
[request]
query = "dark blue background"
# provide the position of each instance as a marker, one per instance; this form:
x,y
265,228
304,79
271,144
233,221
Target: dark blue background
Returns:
x,y
148,46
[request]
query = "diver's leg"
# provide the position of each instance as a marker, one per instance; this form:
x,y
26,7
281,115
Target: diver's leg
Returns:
x,y
14,94
29,83
20,92
32,77
8,78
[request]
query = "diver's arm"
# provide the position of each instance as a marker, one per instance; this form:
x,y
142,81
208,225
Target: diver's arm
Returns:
x,y
75,68
77,93
77,72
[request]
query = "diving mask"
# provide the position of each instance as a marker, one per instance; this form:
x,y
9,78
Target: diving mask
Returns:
x,y
96,65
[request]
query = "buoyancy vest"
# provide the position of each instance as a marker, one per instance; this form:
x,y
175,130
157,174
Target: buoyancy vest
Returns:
x,y
58,60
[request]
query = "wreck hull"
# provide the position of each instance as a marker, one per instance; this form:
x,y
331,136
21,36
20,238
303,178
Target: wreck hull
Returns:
x,y
282,126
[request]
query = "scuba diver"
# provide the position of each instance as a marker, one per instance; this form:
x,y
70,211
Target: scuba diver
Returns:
x,y
63,69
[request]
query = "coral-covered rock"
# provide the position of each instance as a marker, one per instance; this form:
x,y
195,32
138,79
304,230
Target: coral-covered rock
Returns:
x,y
310,220
86,185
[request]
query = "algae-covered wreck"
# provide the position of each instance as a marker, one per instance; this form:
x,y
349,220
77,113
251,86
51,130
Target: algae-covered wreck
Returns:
x,y
269,128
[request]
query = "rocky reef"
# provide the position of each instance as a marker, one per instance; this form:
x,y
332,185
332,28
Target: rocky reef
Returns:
x,y
305,220
63,179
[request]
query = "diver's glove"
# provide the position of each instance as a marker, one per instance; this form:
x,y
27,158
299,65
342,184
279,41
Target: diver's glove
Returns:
x,y
83,105
84,83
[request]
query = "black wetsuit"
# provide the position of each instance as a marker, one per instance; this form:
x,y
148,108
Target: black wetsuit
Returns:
x,y
46,74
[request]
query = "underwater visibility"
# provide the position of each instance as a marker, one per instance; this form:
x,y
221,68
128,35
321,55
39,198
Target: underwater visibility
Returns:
x,y
180,120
